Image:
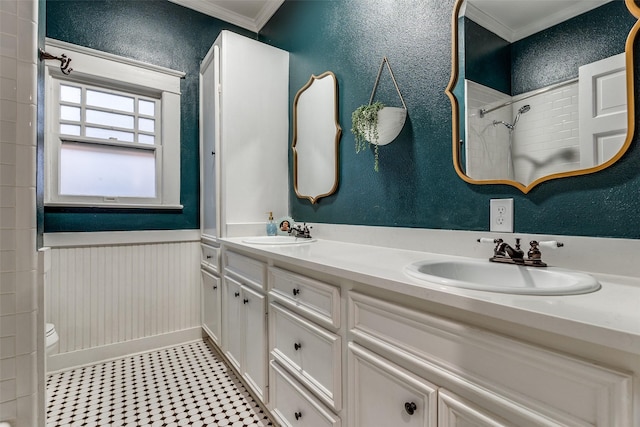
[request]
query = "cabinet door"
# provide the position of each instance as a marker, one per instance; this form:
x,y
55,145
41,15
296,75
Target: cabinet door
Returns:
x,y
384,394
211,305
233,337
255,343
454,411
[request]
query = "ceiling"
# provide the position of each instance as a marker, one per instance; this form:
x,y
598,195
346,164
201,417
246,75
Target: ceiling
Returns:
x,y
516,19
249,14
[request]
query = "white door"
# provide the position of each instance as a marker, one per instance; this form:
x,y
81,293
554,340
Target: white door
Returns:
x,y
211,305
233,337
255,343
384,394
602,90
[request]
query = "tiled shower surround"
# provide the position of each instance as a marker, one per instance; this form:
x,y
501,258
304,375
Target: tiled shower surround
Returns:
x,y
544,142
20,366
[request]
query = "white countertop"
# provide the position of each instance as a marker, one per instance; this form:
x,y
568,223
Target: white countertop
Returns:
x,y
608,317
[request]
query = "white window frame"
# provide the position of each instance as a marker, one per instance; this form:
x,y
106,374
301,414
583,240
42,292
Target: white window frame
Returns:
x,y
92,67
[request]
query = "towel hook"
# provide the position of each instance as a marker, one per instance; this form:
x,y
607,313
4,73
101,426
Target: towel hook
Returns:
x,y
64,61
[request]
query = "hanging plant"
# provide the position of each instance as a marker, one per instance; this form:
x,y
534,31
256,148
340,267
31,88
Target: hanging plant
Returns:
x,y
364,126
376,124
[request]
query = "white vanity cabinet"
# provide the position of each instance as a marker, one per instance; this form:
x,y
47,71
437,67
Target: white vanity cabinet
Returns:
x,y
305,350
383,393
479,378
210,301
244,330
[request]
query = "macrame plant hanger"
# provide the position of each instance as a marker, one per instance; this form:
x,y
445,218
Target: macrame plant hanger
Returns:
x,y
395,83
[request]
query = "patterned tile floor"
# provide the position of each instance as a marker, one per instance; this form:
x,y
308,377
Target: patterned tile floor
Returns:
x,y
181,386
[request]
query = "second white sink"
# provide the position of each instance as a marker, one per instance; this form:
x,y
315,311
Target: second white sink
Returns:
x,y
505,278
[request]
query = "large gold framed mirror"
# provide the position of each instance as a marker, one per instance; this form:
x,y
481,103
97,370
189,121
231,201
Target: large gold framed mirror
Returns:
x,y
316,135
540,90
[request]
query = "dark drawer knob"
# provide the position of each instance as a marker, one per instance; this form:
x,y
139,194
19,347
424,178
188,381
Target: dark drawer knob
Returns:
x,y
245,301
237,294
297,346
298,415
209,256
215,287
410,407
296,292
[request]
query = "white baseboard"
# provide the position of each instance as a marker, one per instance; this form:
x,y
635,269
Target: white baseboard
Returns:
x,y
91,356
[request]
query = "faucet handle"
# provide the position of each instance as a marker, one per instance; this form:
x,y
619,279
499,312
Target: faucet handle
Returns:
x,y
552,244
487,240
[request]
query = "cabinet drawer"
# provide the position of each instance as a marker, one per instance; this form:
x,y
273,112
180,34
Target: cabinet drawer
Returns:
x,y
309,352
210,257
312,298
292,405
384,394
460,357
250,271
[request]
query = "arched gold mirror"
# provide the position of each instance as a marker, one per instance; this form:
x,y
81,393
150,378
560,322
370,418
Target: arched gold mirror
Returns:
x,y
316,134
541,90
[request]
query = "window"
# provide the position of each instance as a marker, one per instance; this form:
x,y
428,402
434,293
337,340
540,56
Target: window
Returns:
x,y
113,132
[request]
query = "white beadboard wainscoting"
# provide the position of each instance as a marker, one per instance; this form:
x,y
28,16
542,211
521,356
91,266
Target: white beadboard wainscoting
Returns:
x,y
114,294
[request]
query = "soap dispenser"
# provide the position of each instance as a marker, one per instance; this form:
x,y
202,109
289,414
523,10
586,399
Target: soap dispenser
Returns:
x,y
271,226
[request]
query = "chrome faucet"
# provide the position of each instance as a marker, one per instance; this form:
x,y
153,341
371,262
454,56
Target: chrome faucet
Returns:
x,y
516,254
505,253
301,231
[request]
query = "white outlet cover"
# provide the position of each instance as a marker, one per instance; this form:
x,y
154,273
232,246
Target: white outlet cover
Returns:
x,y
501,215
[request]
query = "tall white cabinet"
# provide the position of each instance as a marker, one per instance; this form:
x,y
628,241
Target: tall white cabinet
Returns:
x,y
244,132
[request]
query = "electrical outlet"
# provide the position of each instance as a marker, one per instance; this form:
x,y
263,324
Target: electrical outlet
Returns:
x,y
501,215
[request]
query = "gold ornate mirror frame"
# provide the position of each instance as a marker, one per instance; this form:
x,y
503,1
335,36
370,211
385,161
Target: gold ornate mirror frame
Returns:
x,y
316,136
457,143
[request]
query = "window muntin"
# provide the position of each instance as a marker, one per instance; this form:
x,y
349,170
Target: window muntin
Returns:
x,y
106,114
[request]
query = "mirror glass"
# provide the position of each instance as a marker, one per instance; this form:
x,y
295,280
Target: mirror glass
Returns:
x,y
540,90
316,134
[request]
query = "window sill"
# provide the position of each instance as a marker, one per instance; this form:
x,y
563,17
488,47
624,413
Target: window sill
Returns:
x,y
113,205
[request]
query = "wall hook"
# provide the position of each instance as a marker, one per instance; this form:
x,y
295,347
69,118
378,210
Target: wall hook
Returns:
x,y
64,61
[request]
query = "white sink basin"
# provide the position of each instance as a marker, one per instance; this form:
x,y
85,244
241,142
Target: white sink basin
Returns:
x,y
276,240
505,278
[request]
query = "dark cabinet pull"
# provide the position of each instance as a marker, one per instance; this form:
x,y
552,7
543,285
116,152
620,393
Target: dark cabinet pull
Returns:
x,y
410,407
215,287
297,346
298,415
209,256
237,294
245,301
296,292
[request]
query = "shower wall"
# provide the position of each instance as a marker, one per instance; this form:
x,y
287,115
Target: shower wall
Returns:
x,y
486,146
545,140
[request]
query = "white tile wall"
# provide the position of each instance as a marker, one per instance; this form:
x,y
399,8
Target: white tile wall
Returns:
x,y
545,140
487,146
18,257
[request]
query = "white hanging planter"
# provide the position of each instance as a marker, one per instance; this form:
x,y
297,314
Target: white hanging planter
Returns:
x,y
390,123
381,128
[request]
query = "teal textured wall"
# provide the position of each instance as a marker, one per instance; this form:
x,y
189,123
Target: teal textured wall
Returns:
x,y
156,32
487,57
554,55
417,185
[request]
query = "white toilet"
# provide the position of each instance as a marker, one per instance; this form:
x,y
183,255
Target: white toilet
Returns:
x,y
51,338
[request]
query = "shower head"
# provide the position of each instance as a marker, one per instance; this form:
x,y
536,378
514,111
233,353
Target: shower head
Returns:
x,y
524,109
